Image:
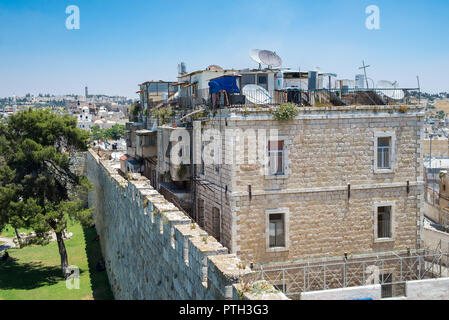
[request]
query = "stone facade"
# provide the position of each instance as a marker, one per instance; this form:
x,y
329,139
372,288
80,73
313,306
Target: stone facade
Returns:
x,y
330,188
151,249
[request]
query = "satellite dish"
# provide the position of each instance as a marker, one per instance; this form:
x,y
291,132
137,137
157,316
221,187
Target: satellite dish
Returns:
x,y
214,68
269,58
254,54
393,92
256,94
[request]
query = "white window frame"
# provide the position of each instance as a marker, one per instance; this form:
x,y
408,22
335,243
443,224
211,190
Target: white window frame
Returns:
x,y
286,213
392,136
376,206
285,157
275,165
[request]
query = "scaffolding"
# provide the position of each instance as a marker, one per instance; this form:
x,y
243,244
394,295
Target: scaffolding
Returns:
x,y
389,269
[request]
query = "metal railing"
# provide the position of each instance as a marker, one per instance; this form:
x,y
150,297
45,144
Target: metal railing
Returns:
x,y
193,99
390,271
344,97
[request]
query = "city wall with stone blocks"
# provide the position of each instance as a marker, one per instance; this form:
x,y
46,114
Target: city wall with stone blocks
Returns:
x,y
151,249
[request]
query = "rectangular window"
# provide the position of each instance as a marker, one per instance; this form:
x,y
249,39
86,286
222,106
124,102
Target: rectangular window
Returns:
x,y
200,216
276,157
216,223
384,222
248,79
277,234
384,153
162,88
386,280
202,159
152,88
152,140
262,80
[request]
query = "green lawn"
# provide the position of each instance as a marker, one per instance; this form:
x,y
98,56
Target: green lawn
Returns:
x,y
9,232
34,272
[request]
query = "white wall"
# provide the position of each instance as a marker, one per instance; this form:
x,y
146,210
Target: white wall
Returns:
x,y
433,289
372,292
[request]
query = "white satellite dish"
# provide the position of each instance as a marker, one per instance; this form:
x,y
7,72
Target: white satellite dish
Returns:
x,y
256,94
269,58
254,54
392,91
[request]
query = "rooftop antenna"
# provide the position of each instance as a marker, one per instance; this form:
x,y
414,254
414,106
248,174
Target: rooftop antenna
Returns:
x,y
269,58
364,70
419,90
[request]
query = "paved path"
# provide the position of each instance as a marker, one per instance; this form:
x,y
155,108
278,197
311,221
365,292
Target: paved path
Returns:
x,y
6,244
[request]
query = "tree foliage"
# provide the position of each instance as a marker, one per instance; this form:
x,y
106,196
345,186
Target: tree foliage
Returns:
x,y
115,133
38,189
163,114
134,111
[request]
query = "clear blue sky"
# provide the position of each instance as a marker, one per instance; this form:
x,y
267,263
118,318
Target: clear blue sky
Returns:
x,y
123,43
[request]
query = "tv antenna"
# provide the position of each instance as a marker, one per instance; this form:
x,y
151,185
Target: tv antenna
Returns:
x,y
364,67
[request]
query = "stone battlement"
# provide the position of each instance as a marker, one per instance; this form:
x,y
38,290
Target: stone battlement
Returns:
x,y
151,249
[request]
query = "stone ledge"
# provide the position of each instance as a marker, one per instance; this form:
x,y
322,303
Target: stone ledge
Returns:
x,y
259,290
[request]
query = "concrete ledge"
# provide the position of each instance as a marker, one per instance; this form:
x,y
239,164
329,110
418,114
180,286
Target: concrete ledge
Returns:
x,y
372,292
432,289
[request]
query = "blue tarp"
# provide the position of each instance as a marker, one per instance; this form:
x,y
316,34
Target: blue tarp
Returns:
x,y
227,83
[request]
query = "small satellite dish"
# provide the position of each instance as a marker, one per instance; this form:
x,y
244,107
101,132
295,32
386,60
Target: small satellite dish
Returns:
x,y
392,91
214,68
269,58
256,94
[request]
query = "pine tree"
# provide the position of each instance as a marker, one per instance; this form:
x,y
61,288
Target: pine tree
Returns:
x,y
38,189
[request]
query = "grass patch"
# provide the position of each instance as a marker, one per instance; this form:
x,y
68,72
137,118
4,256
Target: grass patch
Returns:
x,y
34,272
9,232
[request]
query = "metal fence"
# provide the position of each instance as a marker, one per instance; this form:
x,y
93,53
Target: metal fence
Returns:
x,y
345,97
319,97
391,270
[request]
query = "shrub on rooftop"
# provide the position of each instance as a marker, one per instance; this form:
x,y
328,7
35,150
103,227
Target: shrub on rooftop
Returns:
x,y
286,112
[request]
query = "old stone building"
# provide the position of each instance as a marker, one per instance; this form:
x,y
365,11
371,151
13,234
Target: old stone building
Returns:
x,y
338,180
336,189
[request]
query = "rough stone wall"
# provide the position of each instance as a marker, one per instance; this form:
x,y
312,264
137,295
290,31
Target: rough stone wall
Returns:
x,y
326,224
214,190
151,249
440,147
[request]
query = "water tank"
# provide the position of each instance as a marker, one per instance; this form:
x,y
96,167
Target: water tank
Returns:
x,y
279,81
182,68
313,80
360,81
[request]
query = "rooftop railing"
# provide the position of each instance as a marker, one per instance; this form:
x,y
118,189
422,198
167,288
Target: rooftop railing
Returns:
x,y
308,98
